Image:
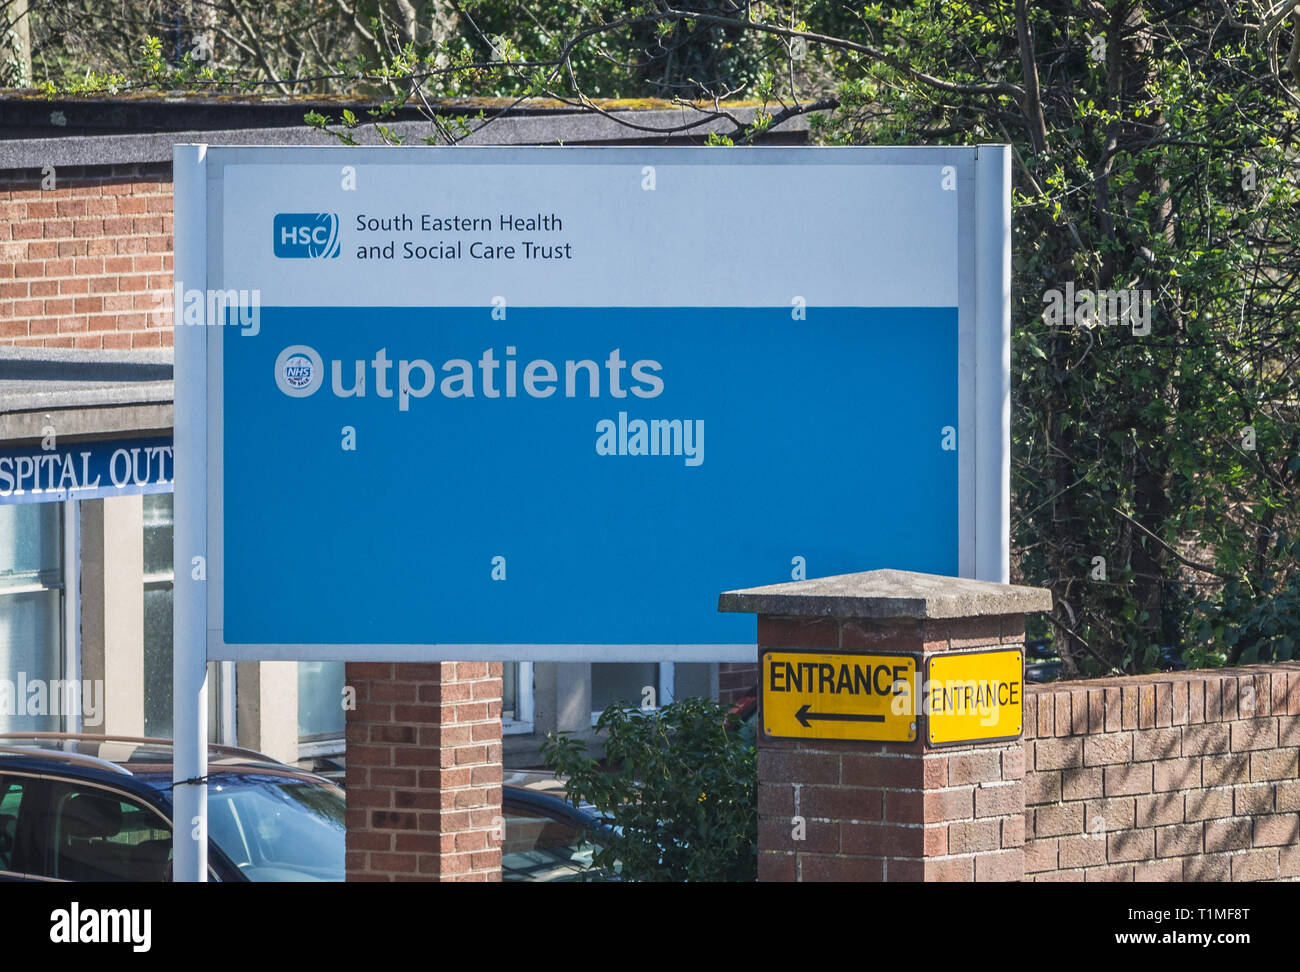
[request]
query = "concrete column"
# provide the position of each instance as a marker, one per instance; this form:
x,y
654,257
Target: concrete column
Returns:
x,y
890,727
562,697
112,609
266,703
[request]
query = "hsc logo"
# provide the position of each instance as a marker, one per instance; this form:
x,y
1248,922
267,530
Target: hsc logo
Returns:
x,y
307,235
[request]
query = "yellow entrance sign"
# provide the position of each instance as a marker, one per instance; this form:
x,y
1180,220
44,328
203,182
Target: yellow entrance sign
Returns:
x,y
976,695
832,695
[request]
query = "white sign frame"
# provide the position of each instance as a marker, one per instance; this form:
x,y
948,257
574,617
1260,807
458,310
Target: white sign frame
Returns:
x,y
983,370
984,343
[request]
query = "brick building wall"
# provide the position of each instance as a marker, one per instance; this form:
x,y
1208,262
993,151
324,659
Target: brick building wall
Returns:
x,y
1186,776
87,261
424,772
735,681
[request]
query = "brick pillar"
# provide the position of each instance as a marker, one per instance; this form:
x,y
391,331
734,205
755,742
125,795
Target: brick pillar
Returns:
x,y
424,772
911,809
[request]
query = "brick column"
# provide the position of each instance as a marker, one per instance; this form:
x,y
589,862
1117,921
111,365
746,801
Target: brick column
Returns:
x,y
424,772
840,810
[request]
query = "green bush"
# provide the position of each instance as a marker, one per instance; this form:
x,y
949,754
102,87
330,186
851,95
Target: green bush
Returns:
x,y
678,787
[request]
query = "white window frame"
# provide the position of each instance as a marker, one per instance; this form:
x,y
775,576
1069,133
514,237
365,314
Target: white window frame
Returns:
x,y
310,748
522,723
335,746
663,688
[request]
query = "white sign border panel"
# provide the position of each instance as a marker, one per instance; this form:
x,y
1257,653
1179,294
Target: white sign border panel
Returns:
x,y
983,218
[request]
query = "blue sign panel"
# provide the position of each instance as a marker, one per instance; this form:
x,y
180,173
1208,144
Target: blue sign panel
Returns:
x,y
86,470
574,475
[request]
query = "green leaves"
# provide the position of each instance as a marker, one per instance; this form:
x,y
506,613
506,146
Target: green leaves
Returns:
x,y
678,787
151,61
322,123
1139,185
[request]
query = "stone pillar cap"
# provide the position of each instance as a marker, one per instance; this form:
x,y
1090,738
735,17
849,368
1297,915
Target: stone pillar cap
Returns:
x,y
883,594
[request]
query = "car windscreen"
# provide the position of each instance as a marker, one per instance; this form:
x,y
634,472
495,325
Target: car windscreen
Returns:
x,y
276,828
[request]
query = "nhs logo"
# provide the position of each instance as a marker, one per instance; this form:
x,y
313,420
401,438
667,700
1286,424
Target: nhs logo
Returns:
x,y
307,235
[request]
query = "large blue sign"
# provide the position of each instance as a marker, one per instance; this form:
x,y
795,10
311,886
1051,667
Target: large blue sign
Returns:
x,y
574,475
548,405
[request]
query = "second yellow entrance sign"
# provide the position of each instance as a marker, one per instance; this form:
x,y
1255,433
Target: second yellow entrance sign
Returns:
x,y
975,696
829,695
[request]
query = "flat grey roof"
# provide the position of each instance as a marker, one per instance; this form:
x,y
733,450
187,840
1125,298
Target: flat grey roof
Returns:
x,y
37,379
553,128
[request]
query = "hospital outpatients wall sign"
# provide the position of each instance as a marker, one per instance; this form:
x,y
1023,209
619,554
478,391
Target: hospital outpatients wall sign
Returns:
x,y
456,403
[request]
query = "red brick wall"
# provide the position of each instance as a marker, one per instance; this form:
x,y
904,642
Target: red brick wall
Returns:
x,y
88,263
735,681
424,772
1186,776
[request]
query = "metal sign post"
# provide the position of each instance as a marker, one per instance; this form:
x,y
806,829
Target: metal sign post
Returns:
x,y
189,618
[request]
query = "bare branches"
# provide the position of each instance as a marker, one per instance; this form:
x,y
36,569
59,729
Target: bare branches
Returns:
x,y
1000,88
236,8
1033,105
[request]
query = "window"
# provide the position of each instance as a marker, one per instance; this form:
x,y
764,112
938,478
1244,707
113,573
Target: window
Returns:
x,y
321,716
31,605
637,684
11,798
516,698
100,835
158,583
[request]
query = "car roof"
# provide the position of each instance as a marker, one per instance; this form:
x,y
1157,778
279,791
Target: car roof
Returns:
x,y
537,785
546,793
147,759
538,781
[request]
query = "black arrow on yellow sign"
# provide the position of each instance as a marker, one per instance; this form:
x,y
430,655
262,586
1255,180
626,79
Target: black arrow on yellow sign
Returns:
x,y
806,718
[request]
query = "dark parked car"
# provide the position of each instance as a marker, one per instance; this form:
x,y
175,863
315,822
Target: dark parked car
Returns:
x,y
97,808
547,838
